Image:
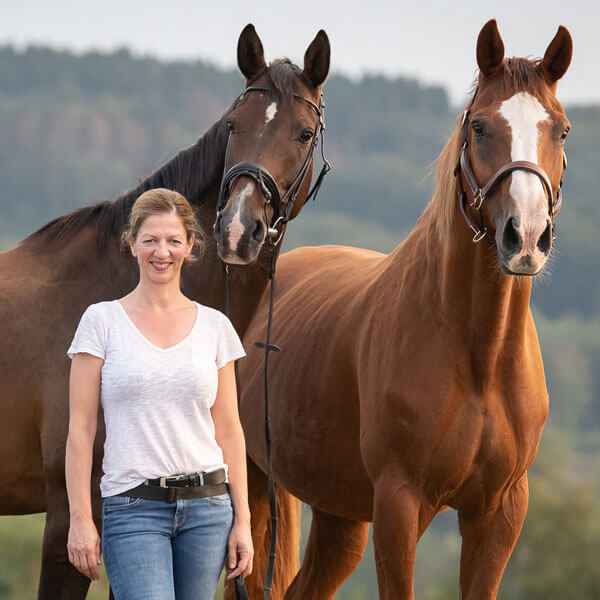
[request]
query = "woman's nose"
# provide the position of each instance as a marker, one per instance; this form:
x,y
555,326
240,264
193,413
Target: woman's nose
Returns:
x,y
162,249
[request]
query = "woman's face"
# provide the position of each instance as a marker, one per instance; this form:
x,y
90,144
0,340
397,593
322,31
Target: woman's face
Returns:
x,y
161,246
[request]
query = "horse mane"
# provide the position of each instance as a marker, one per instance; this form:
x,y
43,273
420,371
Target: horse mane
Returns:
x,y
517,74
443,202
191,172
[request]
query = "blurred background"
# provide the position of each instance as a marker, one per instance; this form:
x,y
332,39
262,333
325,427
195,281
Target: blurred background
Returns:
x,y
94,97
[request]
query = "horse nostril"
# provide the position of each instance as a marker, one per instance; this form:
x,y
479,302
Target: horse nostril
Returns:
x,y
511,238
545,242
259,232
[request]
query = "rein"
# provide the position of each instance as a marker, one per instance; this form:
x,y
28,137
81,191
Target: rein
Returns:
x,y
480,193
282,210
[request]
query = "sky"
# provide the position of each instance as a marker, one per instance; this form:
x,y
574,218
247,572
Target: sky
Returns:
x,y
432,41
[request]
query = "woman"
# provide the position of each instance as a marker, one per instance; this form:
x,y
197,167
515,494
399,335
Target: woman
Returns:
x,y
163,368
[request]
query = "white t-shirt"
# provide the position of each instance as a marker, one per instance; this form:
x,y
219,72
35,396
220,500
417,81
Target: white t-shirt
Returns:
x,y
156,401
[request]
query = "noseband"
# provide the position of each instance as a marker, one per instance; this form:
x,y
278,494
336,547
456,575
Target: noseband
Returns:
x,y
282,206
480,192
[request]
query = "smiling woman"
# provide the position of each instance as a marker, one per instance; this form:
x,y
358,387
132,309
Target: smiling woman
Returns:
x,y
162,368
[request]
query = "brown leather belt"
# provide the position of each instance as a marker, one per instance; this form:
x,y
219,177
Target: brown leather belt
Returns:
x,y
170,489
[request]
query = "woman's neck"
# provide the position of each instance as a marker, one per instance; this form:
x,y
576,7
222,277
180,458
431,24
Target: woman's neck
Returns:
x,y
154,296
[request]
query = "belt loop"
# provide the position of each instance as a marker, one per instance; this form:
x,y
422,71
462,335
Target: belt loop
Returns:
x,y
201,478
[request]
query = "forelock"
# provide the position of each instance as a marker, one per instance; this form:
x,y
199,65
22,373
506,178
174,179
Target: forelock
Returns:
x,y
284,77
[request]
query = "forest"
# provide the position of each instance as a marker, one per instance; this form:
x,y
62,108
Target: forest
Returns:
x,y
80,128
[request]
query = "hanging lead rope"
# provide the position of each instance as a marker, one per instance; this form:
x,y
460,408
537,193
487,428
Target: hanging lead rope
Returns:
x,y
268,348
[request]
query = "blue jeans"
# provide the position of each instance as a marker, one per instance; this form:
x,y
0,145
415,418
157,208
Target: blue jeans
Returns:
x,y
155,550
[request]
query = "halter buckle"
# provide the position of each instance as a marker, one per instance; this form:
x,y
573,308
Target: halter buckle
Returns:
x,y
477,200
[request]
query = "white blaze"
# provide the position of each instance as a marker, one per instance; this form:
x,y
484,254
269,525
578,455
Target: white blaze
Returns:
x,y
236,227
270,112
523,113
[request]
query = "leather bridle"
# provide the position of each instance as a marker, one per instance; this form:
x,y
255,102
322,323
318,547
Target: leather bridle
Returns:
x,y
282,206
480,193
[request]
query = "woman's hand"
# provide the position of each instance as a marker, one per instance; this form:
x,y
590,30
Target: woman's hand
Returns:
x,y
240,551
84,547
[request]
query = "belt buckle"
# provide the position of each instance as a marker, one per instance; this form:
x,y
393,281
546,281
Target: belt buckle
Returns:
x,y
163,482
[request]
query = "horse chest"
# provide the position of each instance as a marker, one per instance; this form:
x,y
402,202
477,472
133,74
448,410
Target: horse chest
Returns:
x,y
500,445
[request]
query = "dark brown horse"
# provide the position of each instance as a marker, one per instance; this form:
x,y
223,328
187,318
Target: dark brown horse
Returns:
x,y
48,280
412,382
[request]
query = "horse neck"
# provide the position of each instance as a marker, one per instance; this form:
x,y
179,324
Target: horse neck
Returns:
x,y
468,299
487,309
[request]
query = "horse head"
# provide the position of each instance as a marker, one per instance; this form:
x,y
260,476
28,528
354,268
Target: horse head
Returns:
x,y
273,133
512,157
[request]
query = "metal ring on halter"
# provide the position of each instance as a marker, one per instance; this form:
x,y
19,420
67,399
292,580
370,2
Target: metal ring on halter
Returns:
x,y
479,235
272,231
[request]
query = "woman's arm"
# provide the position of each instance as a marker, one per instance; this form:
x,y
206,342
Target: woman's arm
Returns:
x,y
84,542
230,437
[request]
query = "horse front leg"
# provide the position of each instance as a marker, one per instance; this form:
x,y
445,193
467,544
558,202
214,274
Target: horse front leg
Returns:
x,y
399,518
488,541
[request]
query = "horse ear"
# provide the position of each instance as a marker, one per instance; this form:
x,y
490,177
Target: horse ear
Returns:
x,y
558,55
316,59
250,53
490,49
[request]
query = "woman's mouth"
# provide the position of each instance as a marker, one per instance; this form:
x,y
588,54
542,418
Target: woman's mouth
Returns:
x,y
158,266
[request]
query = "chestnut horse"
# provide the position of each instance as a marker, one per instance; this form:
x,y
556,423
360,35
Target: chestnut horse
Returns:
x,y
48,280
413,381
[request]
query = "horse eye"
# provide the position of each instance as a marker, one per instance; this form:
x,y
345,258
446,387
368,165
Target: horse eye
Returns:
x,y
306,135
478,128
230,125
564,135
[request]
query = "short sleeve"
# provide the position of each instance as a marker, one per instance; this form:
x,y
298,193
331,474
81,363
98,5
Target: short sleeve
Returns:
x,y
90,334
229,346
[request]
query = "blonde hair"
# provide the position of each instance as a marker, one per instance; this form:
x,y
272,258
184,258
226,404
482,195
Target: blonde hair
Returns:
x,y
160,201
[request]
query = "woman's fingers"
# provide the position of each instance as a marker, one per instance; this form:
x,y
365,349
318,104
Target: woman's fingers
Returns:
x,y
239,561
83,548
92,567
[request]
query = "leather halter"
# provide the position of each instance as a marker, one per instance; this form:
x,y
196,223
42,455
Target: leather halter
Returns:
x,y
480,193
282,206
